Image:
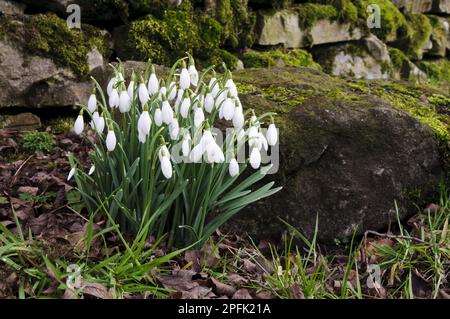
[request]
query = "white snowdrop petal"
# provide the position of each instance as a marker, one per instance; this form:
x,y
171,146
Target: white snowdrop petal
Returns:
x,y
166,167
130,90
79,125
272,135
255,158
71,173
167,113
153,84
124,102
92,103
143,94
158,117
185,80
233,168
193,75
114,99
91,170
111,141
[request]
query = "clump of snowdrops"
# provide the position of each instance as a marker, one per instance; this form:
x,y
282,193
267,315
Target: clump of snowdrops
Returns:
x,y
157,159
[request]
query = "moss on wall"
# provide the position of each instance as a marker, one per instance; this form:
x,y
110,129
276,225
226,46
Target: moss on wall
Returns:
x,y
437,71
48,35
295,57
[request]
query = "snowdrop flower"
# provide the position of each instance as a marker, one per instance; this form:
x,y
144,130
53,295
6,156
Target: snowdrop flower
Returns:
x,y
174,129
231,87
185,80
178,100
79,124
228,109
111,141
111,85
214,153
272,135
114,99
197,153
172,91
158,117
240,135
167,112
91,170
209,102
253,136
92,103
185,105
99,123
214,86
262,142
207,138
143,94
166,165
199,117
130,89
153,84
162,93
238,118
233,168
193,74
255,158
186,145
124,102
144,125
71,173
221,98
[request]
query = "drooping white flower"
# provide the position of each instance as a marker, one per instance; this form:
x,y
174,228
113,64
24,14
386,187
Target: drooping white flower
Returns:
x,y
163,151
238,118
167,112
209,103
110,85
92,103
124,102
172,91
111,141
158,117
174,129
144,125
184,108
185,80
197,153
91,170
253,136
178,100
262,142
272,135
255,158
228,109
130,89
166,167
214,86
71,173
114,99
162,93
79,125
207,138
193,75
186,145
199,117
214,153
231,87
99,124
240,135
143,94
233,168
153,84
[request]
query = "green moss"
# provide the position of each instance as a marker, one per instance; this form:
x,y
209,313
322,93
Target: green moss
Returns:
x,y
61,124
38,141
310,13
398,58
295,58
346,10
419,34
437,71
393,22
276,4
438,35
48,36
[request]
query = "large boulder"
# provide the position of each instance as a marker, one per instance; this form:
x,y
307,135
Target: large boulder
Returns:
x,y
349,153
47,70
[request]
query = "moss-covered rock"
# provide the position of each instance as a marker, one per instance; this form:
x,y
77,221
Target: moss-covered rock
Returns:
x,y
438,71
348,151
271,58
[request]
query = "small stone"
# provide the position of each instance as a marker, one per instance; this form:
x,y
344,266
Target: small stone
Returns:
x,y
22,122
